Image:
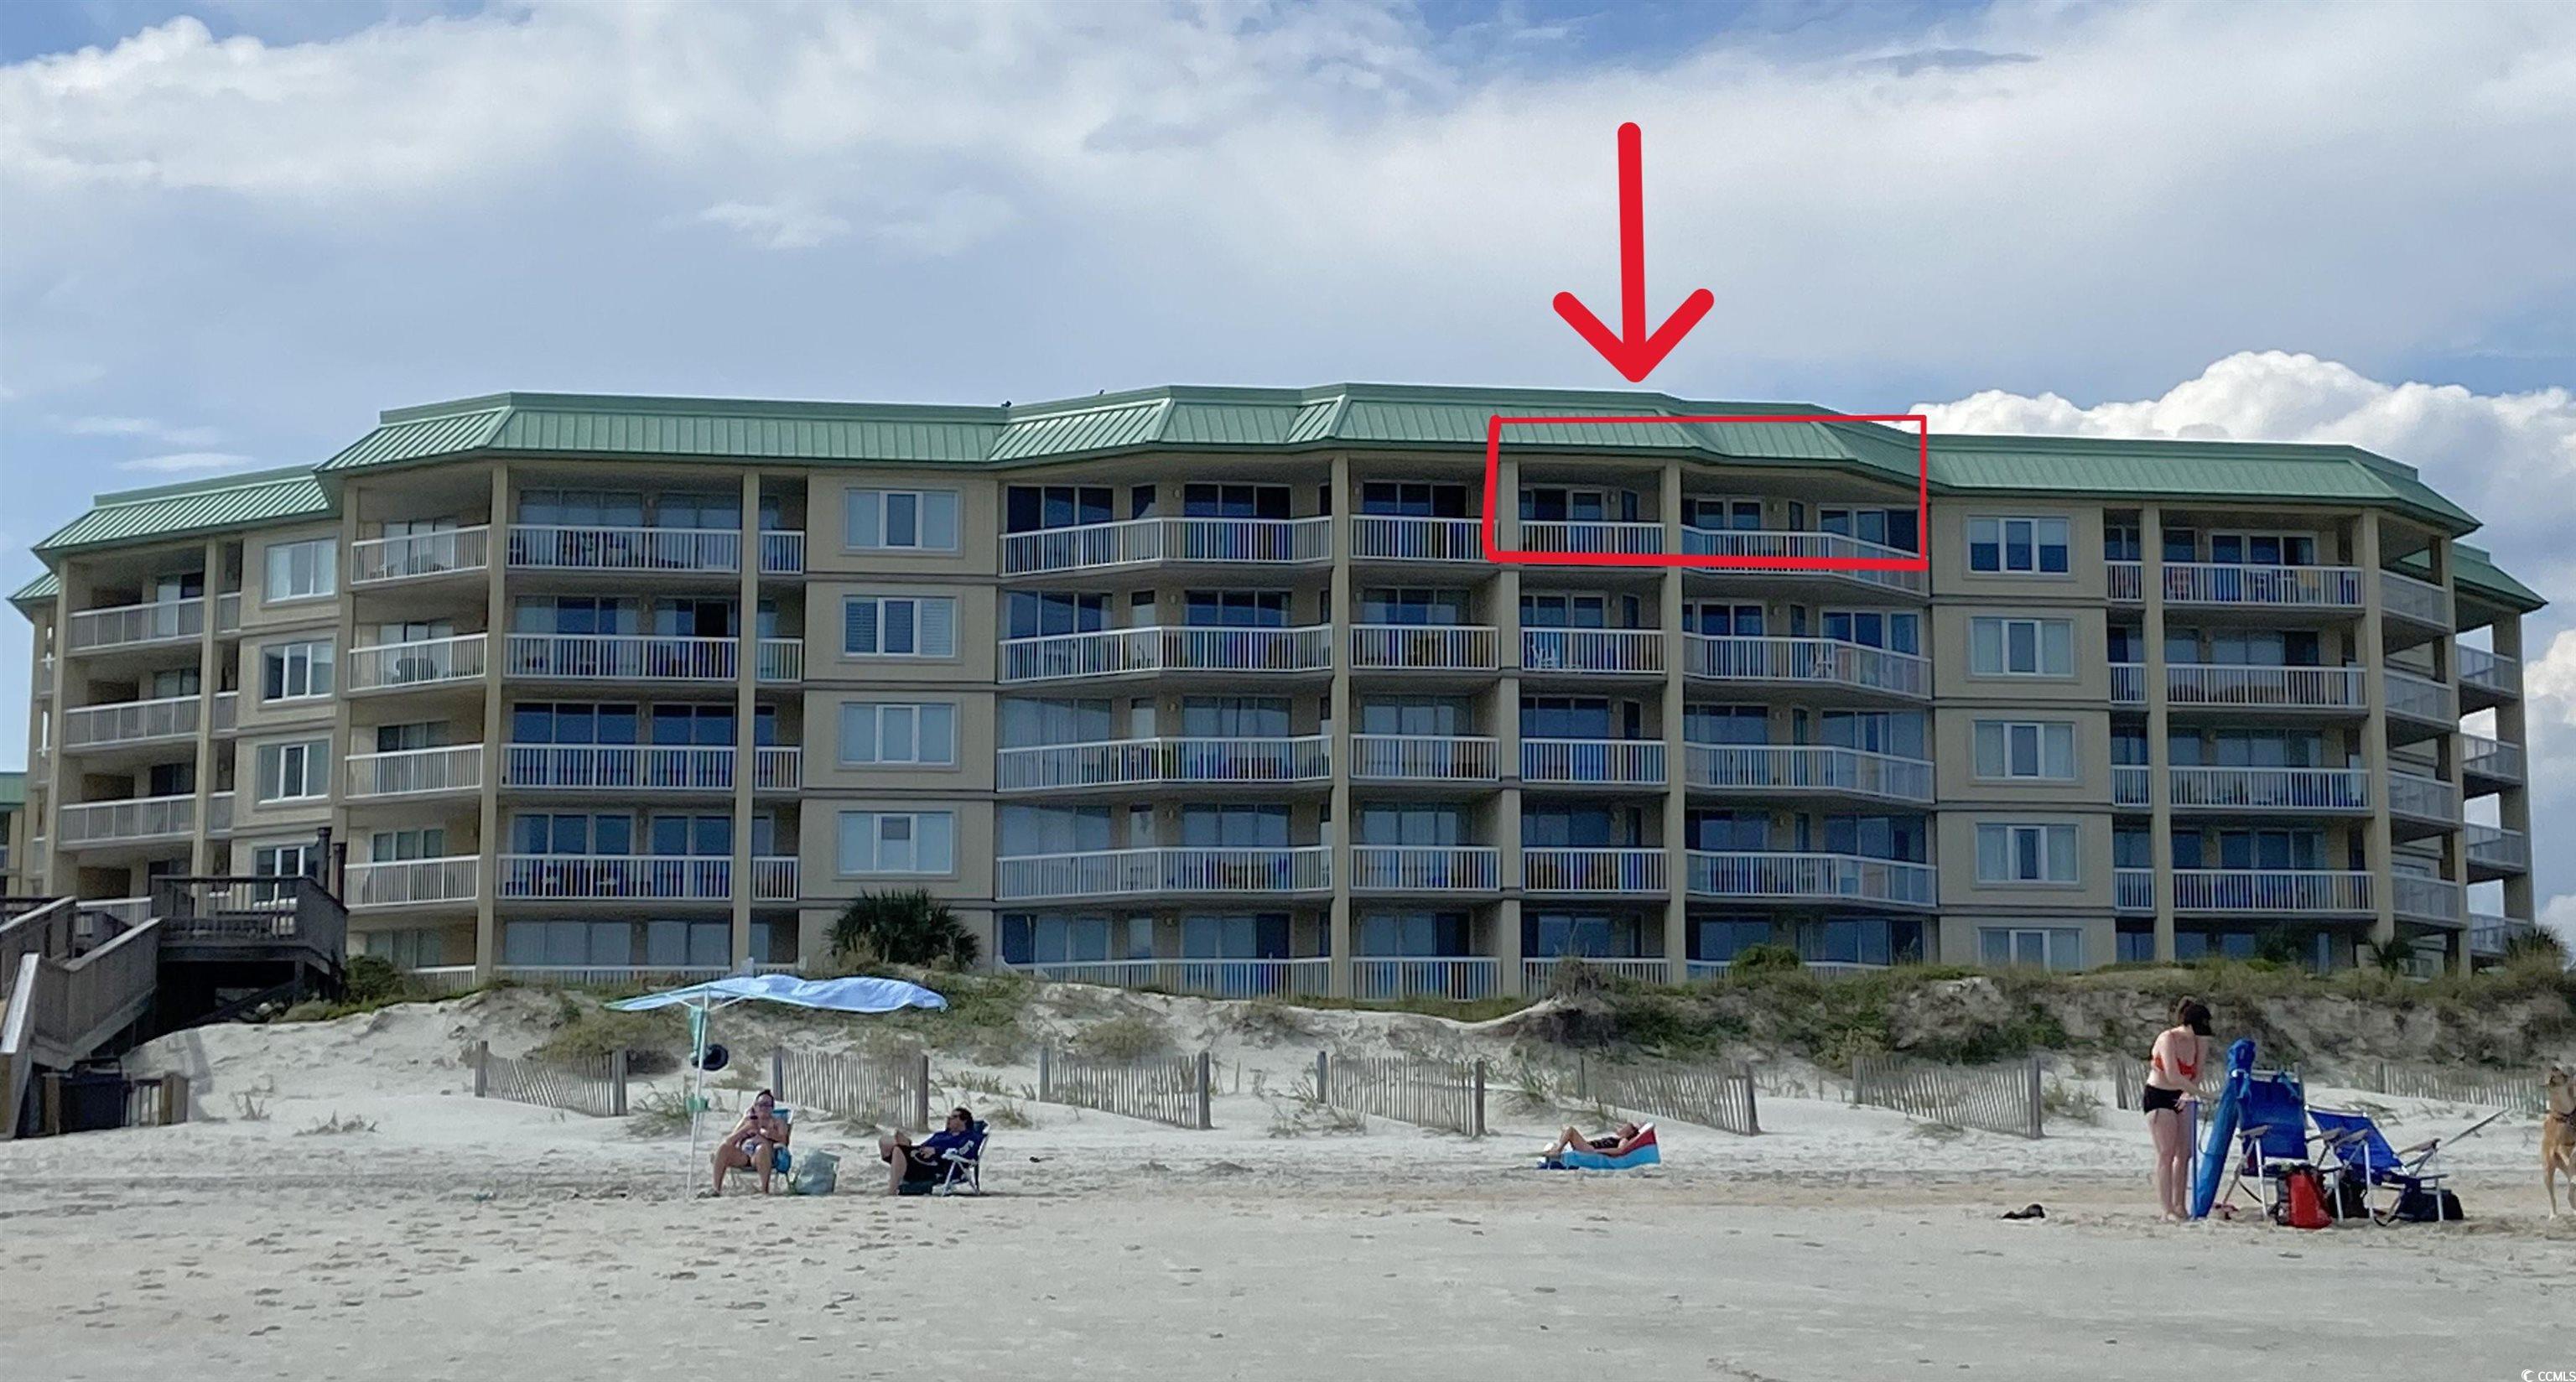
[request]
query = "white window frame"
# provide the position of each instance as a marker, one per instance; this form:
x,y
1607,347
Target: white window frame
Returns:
x,y
314,653
878,829
313,773
918,651
2004,625
2008,738
2001,525
2047,832
2051,940
860,498
326,570
881,714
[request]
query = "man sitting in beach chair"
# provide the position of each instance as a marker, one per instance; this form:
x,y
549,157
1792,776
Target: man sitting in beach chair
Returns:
x,y
1623,1148
2271,1136
2386,1183
932,1164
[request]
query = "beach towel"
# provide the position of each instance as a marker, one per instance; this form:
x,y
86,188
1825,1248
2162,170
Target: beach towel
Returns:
x,y
1644,1153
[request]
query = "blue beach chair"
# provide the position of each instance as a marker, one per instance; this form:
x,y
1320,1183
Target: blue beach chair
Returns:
x,y
2391,1184
1643,1153
2271,1136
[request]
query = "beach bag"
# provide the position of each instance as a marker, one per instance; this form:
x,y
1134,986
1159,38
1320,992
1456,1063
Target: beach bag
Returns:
x,y
2304,1198
814,1173
2425,1205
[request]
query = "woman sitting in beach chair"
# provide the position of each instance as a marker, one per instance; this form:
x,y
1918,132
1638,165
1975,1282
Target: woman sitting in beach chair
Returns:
x,y
755,1142
1622,1148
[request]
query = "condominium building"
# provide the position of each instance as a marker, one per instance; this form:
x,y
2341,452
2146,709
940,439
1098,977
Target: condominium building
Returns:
x,y
1218,689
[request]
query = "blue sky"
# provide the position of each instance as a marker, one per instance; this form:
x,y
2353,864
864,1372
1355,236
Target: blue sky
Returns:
x,y
236,229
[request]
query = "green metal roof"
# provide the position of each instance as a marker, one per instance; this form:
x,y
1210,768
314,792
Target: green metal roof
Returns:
x,y
207,506
2158,468
2473,570
13,791
40,591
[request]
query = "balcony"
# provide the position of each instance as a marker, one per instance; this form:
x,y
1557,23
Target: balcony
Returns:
x,y
1421,758
2417,797
622,657
1310,978
1391,537
548,547
2296,790
136,626
1151,649
2226,585
2488,678
782,552
2495,760
2421,699
774,878
2495,851
418,556
219,813
1608,871
1422,648
616,877
1589,537
1606,652
1804,769
409,666
129,821
1457,979
2417,898
2129,784
415,772
1593,762
2490,936
1163,761
1801,546
2133,890
1426,868
777,768
1538,973
617,768
1799,877
1149,541
2335,892
413,882
1252,870
131,722
2190,686
2418,602
1805,661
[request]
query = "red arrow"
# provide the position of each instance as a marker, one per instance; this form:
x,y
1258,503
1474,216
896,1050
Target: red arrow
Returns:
x,y
1633,352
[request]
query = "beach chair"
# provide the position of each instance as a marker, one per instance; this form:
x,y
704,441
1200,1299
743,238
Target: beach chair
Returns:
x,y
2271,1136
1643,1152
2389,1184
962,1168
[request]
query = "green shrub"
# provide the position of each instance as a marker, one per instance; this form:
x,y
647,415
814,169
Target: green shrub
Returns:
x,y
653,1041
370,979
1130,1037
908,928
1755,961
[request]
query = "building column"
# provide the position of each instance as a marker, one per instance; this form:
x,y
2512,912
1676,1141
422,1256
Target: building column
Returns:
x,y
2377,842
746,709
201,845
2151,586
2513,804
343,741
1506,726
1337,709
61,879
1676,802
2447,757
496,654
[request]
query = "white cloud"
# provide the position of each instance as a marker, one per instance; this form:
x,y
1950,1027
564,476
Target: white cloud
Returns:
x,y
186,462
2559,915
777,226
151,428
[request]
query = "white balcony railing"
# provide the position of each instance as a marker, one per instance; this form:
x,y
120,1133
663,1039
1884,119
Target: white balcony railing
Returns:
x,y
2420,601
1149,871
2223,583
1421,758
1594,762
781,659
2495,847
2271,890
616,877
429,662
617,767
227,710
2495,759
228,612
2424,899
1759,769
2422,798
1556,870
128,626
131,722
410,882
1458,979
414,772
1255,541
2270,789
2490,672
609,976
134,819
1423,648
219,812
1426,868
1812,660
1538,972
774,878
552,547
2129,784
778,768
2270,688
2490,934
1126,652
2133,890
621,657
1309,978
1785,876
2420,698
1617,539
1739,542
782,552
410,556
2128,684
1614,651
1126,762
1393,537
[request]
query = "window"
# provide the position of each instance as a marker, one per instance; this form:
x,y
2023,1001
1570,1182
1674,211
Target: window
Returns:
x,y
1719,515
1410,499
1234,501
2018,545
887,734
1894,528
299,860
1718,620
301,570
425,842
2040,750
2026,854
2120,542
1028,723
1412,606
899,626
2042,947
296,671
903,520
898,842
1240,609
2001,647
2262,549
299,771
1234,717
1896,632
1415,933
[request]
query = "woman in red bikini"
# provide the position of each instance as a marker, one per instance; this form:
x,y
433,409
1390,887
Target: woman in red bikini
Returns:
x,y
2175,1071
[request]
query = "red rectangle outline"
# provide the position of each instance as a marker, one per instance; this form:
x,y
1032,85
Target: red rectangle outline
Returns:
x,y
1494,552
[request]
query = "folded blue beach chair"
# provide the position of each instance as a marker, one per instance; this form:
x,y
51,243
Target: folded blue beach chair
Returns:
x,y
2388,1184
2271,1135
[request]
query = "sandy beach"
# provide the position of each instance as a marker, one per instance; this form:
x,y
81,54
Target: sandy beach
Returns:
x,y
470,1238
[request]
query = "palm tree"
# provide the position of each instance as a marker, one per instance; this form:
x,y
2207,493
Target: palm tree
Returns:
x,y
909,928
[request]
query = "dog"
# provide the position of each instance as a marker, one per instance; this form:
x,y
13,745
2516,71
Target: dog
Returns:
x,y
2558,1137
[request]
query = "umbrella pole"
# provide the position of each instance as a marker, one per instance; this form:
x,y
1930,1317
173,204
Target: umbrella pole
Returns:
x,y
697,1092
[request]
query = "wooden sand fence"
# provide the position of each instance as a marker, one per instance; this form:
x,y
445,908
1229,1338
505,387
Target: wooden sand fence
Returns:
x,y
2517,1090
890,1090
1158,1089
595,1086
1711,1096
2002,1098
1445,1095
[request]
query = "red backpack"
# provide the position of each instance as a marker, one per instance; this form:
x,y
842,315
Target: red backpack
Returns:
x,y
2303,1197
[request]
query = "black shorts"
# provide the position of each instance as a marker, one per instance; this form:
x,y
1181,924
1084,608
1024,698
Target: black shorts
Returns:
x,y
2159,1097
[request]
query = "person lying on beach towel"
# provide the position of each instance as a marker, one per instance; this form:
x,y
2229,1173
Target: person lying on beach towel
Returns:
x,y
754,1142
1619,1141
921,1162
